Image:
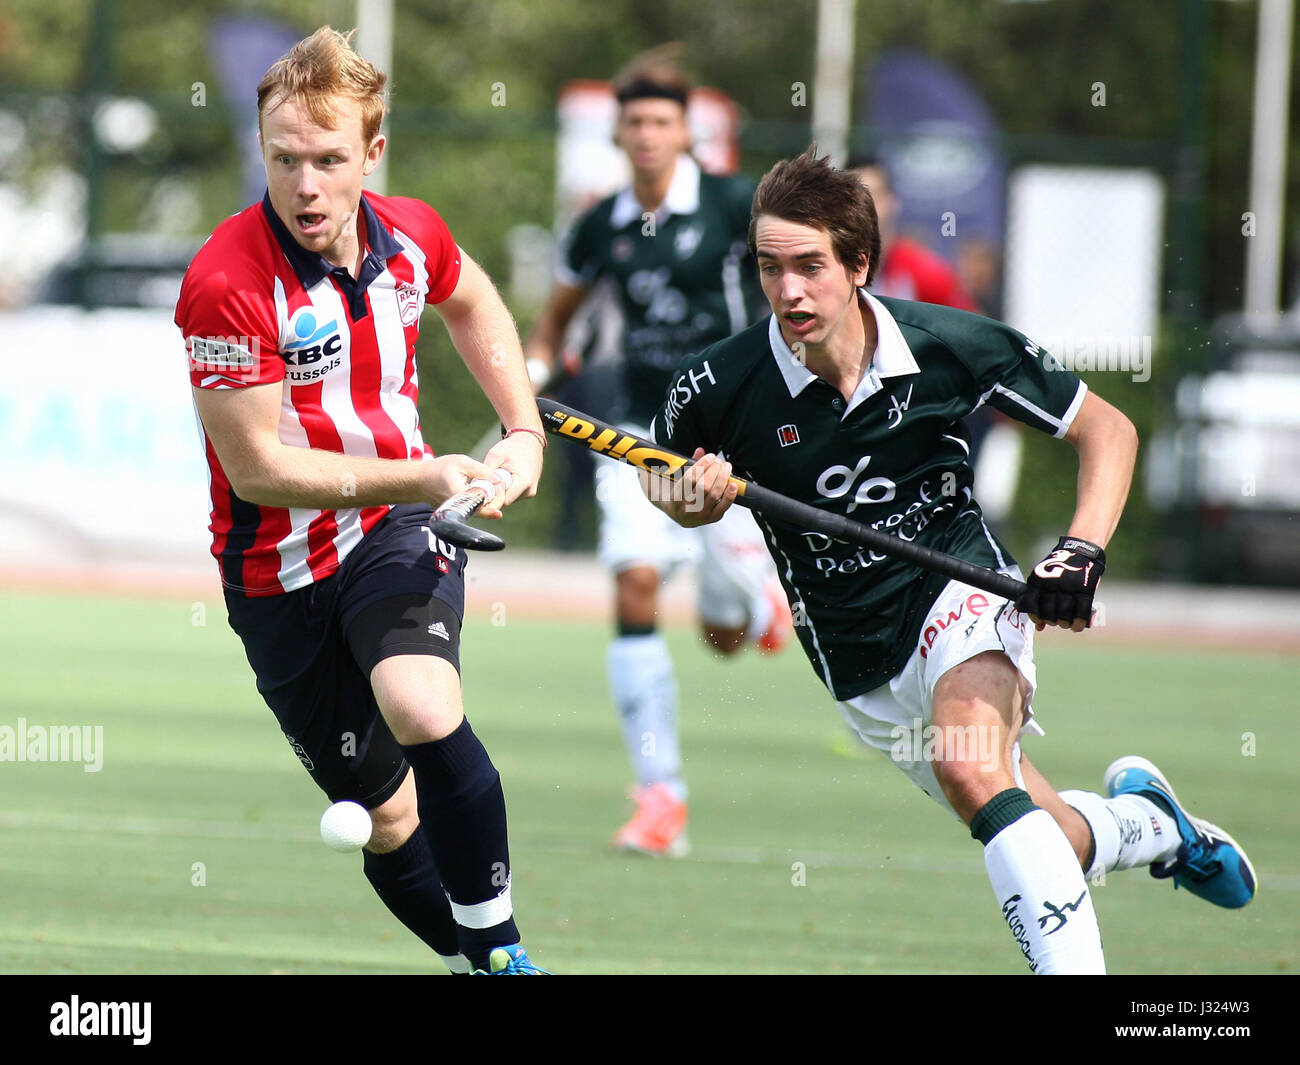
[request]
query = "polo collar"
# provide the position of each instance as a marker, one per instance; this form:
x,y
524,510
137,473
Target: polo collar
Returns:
x,y
892,358
683,196
312,268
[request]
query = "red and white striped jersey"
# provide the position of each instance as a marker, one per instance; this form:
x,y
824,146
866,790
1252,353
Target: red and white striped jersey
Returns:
x,y
256,308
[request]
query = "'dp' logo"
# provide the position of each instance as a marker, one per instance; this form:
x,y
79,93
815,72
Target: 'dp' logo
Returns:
x,y
836,481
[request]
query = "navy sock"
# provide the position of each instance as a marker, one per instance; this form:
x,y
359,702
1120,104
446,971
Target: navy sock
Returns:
x,y
463,813
406,880
1005,808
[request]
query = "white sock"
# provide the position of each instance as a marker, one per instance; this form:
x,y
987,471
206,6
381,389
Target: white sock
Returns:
x,y
644,684
1044,900
761,615
1128,830
734,591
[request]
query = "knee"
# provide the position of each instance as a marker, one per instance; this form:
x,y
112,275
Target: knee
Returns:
x,y
394,821
968,785
419,697
724,641
635,592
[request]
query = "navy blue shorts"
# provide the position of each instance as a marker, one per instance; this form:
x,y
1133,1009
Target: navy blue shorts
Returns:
x,y
399,591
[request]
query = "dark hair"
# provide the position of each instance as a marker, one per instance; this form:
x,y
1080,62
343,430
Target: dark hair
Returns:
x,y
809,191
654,73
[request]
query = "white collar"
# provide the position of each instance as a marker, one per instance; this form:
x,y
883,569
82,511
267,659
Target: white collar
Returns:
x,y
683,196
892,358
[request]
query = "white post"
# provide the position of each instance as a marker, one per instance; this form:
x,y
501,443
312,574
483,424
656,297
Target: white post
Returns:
x,y
1268,158
833,79
374,41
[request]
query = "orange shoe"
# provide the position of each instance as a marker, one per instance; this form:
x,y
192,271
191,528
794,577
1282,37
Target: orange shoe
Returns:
x,y
659,825
781,629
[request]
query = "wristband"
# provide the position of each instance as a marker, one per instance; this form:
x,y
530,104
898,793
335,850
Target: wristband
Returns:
x,y
1086,548
521,429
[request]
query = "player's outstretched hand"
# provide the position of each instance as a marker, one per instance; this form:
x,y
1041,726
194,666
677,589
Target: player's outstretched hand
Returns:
x,y
1060,589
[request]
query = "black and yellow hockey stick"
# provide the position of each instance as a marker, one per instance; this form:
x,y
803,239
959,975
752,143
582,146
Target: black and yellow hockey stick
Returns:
x,y
614,443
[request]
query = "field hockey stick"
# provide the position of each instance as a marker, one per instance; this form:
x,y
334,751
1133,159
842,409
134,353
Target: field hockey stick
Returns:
x,y
614,443
450,521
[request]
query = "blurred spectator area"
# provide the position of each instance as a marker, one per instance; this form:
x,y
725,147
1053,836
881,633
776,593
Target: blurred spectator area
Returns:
x,y
121,270
119,153
1224,468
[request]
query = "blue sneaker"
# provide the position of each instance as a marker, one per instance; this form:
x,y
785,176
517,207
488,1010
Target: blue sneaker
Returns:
x,y
1209,864
511,961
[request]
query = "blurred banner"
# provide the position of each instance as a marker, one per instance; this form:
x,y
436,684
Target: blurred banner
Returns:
x,y
243,49
100,459
939,142
1083,264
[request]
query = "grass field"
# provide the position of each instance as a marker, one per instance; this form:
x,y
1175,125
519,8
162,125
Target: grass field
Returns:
x,y
809,858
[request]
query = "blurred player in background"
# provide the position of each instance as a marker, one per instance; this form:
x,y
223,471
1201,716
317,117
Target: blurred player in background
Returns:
x,y
911,271
300,315
908,269
930,671
674,243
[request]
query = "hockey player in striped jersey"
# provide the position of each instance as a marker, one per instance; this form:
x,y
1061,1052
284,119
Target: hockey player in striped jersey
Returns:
x,y
300,316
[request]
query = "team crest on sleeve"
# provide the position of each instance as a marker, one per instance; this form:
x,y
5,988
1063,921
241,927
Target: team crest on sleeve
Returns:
x,y
223,358
788,434
408,303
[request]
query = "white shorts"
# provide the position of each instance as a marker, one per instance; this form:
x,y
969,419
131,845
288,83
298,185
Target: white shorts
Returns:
x,y
895,718
731,555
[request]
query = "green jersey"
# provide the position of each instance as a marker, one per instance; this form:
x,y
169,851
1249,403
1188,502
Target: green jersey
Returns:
x,y
895,457
681,274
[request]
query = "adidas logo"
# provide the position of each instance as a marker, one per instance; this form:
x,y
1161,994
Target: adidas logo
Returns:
x,y
439,629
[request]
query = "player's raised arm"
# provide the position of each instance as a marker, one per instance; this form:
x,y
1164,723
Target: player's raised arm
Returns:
x,y
1063,585
542,351
242,425
485,336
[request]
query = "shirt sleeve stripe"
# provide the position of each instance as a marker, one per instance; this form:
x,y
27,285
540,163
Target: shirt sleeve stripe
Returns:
x,y
1068,419
1036,411
733,293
